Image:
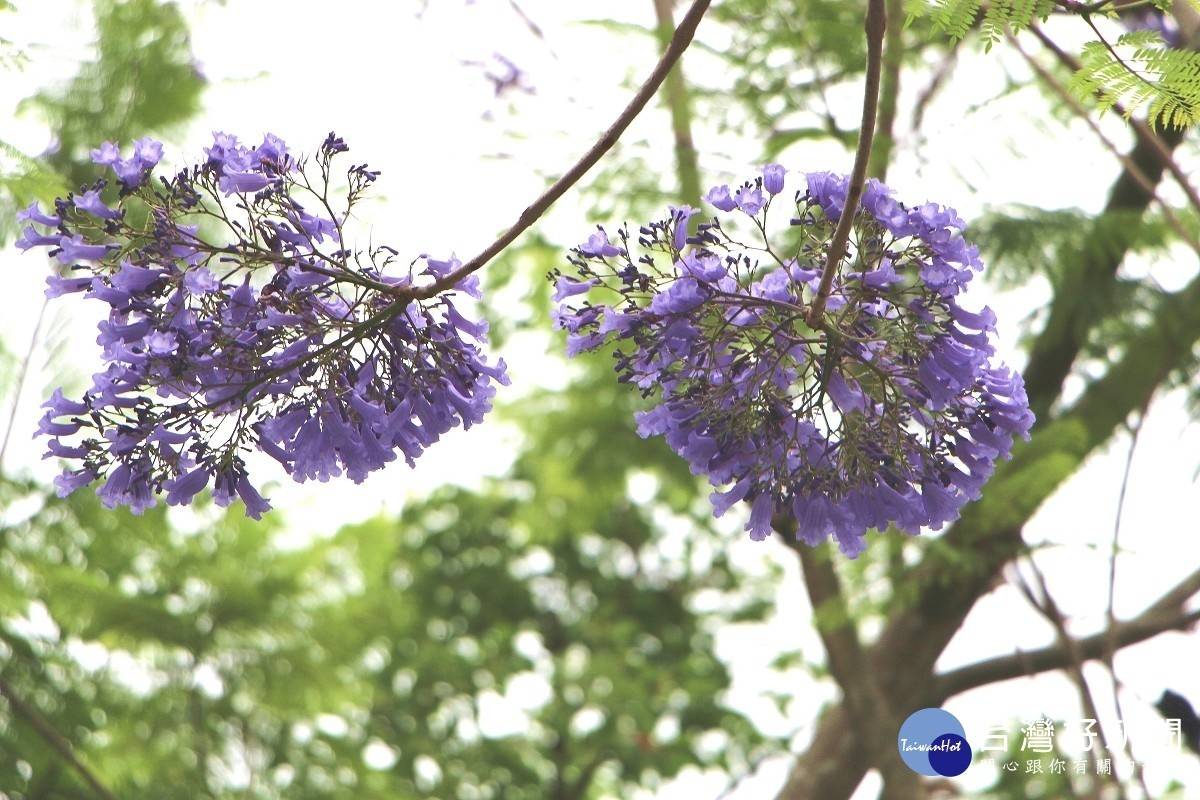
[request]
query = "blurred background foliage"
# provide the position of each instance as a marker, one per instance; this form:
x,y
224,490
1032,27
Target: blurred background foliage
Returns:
x,y
197,656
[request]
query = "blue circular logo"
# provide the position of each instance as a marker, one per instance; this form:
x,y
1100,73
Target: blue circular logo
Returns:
x,y
932,742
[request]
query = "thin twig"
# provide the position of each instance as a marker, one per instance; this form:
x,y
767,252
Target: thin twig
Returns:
x,y
1110,644
679,42
1044,603
22,374
1136,172
1143,131
876,27
59,743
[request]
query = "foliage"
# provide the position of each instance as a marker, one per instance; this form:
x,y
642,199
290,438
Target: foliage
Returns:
x,y
291,664
1139,71
956,18
200,655
140,80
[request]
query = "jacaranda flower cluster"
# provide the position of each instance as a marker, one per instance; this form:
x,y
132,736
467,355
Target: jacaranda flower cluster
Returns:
x,y
240,318
887,410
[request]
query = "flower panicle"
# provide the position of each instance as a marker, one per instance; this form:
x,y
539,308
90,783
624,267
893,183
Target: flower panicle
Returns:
x,y
890,411
241,321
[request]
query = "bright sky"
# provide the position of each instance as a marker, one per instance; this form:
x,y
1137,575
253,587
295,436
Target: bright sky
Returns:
x,y
397,90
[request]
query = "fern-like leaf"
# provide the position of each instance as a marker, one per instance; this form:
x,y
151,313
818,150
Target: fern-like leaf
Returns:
x,y
1139,71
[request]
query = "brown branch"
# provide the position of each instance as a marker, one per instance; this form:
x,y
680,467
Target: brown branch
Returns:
x,y
679,43
1043,602
56,740
875,27
869,708
1165,615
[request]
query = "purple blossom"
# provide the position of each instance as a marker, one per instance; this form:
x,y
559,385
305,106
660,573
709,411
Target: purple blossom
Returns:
x,y
90,202
303,348
106,154
33,213
233,180
74,248
890,412
566,287
773,176
750,199
147,151
30,238
720,197
598,246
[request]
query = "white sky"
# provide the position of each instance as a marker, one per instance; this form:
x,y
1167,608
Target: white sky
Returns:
x,y
396,90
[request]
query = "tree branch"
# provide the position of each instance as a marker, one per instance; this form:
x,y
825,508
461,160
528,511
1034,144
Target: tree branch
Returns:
x,y
1043,602
869,708
679,42
889,91
875,27
1160,148
22,374
942,589
56,740
1128,163
1145,626
679,104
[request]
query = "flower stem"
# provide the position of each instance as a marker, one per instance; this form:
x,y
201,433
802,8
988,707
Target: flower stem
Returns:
x,y
875,27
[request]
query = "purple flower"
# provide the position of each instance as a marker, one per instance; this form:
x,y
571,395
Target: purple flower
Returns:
x,y
183,488
57,286
566,287
69,481
106,154
33,213
233,180
224,146
892,413
750,199
761,510
598,246
272,150
147,151
680,217
704,265
59,405
719,197
773,175
250,336
30,238
131,172
90,203
161,343
133,279
74,248
200,281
